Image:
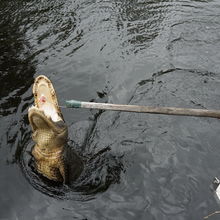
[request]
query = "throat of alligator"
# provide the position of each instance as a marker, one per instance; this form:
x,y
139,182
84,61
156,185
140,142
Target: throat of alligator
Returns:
x,y
54,153
49,162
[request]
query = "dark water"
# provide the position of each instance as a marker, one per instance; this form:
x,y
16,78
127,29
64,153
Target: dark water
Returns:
x,y
158,52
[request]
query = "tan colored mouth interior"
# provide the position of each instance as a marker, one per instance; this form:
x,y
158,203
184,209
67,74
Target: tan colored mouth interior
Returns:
x,y
45,101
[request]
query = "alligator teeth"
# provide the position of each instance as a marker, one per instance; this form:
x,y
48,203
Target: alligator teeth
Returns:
x,y
50,113
33,107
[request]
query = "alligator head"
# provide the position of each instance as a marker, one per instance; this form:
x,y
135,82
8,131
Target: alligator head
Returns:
x,y
49,131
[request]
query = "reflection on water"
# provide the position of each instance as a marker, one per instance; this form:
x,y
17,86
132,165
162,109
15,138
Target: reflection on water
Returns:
x,y
158,52
17,67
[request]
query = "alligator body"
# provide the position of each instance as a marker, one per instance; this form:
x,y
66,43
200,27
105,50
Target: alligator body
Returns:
x,y
53,158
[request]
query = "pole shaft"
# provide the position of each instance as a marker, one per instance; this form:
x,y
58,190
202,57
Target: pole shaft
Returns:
x,y
148,109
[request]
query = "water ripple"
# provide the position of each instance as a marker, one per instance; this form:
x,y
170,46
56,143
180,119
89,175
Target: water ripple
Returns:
x,y
145,52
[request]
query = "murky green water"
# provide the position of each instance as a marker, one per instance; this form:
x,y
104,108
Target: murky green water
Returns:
x,y
139,166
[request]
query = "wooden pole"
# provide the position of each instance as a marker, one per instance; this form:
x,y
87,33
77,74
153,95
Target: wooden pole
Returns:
x,y
144,109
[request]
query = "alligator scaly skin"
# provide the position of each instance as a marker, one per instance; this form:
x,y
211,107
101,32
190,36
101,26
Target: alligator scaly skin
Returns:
x,y
50,151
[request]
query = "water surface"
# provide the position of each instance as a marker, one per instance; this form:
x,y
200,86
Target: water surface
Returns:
x,y
139,166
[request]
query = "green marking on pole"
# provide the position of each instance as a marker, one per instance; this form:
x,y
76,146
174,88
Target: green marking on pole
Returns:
x,y
73,104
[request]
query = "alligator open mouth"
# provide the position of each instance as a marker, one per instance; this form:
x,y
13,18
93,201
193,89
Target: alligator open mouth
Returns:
x,y
45,111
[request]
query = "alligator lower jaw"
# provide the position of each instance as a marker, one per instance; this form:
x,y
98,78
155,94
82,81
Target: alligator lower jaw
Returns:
x,y
48,135
40,120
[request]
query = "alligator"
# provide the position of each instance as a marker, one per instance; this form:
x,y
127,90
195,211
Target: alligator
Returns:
x,y
53,158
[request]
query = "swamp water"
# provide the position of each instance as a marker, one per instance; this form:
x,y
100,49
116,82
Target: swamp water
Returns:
x,y
139,166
